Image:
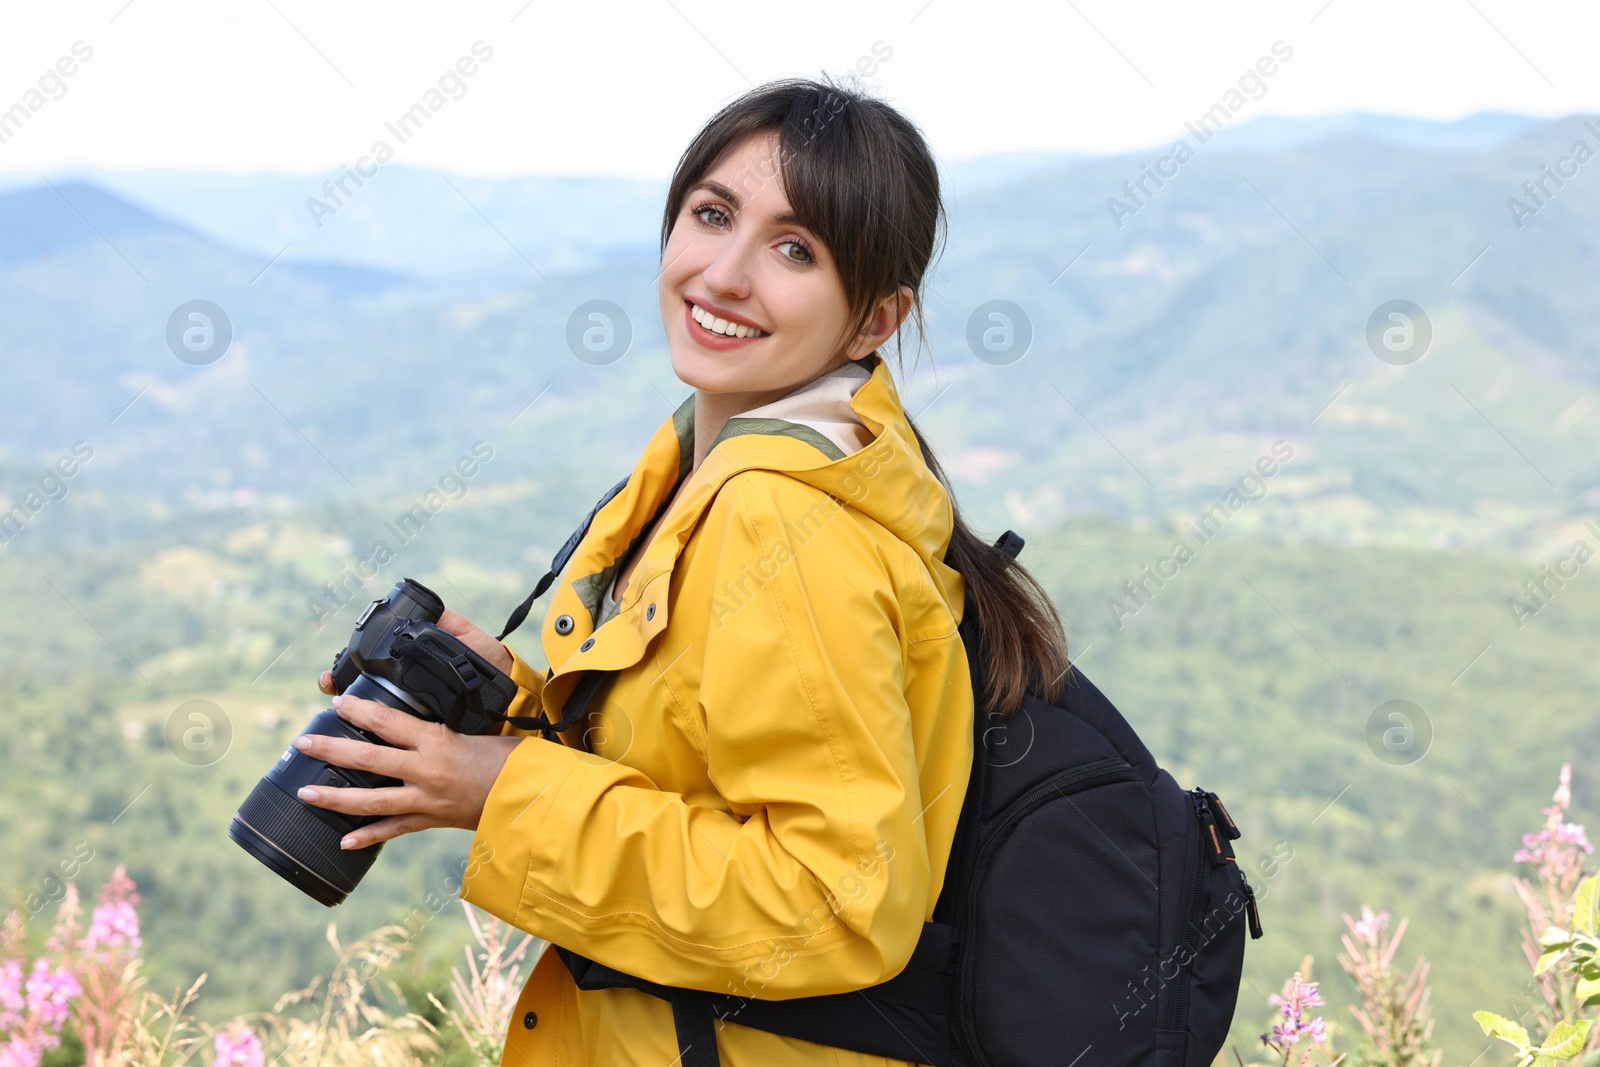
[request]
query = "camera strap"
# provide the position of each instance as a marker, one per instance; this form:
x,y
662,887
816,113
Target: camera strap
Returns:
x,y
572,712
559,564
582,696
459,673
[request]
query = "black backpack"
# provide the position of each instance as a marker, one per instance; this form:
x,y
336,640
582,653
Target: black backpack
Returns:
x,y
1091,904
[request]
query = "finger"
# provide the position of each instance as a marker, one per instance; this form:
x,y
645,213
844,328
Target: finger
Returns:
x,y
476,638
397,800
325,681
359,755
452,622
395,727
387,830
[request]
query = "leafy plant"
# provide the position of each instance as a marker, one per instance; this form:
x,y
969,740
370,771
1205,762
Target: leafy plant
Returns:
x,y
1577,948
1566,971
1564,1043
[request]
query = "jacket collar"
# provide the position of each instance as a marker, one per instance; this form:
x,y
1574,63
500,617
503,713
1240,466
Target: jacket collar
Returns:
x,y
887,479
817,412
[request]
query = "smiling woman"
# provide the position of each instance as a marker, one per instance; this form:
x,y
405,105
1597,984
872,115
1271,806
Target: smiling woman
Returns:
x,y
763,799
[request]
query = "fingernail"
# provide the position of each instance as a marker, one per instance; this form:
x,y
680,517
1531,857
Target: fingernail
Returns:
x,y
349,842
338,700
307,793
303,743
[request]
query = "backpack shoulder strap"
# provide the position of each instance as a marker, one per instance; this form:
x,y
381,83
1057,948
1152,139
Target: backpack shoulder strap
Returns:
x,y
559,564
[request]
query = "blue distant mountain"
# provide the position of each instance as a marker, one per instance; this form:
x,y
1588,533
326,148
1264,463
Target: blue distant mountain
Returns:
x,y
1232,306
49,219
1482,132
411,222
514,231
45,219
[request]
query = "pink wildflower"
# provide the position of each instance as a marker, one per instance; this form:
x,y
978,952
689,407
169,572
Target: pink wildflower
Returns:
x,y
238,1047
11,999
49,990
115,923
1555,848
21,1052
1367,929
33,1011
1298,995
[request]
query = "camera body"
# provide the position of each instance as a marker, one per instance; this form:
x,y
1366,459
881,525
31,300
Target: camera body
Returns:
x,y
399,657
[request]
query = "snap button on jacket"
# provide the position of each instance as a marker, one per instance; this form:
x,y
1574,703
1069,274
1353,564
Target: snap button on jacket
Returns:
x,y
763,798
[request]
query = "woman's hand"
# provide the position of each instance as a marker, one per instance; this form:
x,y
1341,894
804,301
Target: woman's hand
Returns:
x,y
470,633
447,776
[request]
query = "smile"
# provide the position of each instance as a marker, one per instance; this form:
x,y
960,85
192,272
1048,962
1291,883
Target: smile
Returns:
x,y
721,327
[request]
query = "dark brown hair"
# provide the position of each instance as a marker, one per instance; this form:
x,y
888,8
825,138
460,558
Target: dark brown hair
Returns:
x,y
860,176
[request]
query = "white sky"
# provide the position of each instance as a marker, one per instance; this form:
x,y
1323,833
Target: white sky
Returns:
x,y
618,88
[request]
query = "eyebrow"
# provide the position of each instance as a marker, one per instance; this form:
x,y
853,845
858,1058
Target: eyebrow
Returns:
x,y
788,218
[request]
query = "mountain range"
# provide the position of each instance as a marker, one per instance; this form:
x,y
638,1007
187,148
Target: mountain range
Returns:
x,y
1170,346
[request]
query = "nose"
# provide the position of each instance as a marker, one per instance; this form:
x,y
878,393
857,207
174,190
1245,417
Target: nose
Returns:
x,y
728,273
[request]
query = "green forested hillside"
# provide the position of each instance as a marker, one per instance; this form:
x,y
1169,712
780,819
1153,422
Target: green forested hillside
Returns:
x,y
1253,672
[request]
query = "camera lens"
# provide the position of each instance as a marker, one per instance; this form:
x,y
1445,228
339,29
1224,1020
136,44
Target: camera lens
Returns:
x,y
398,657
301,848
298,841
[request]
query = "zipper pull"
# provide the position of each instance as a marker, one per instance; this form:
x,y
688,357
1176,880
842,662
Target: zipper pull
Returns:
x,y
1220,851
1216,801
1250,908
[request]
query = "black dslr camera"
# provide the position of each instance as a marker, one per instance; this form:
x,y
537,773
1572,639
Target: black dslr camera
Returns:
x,y
397,656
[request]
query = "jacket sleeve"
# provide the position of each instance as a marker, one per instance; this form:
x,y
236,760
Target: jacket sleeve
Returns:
x,y
530,692
817,879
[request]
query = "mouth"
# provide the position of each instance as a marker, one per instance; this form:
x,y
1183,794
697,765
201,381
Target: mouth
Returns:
x,y
718,332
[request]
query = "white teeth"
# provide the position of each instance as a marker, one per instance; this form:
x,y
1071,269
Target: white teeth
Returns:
x,y
722,326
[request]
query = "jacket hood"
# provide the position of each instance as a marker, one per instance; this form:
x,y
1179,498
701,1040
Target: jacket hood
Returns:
x,y
883,477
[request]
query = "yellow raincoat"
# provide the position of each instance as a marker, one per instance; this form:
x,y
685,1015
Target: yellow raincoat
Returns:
x,y
777,770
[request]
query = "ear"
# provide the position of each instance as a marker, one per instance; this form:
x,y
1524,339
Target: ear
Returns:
x,y
886,318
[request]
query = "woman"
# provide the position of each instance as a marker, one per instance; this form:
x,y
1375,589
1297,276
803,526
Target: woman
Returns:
x,y
765,799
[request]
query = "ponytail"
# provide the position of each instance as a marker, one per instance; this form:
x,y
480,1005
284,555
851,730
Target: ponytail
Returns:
x,y
1023,644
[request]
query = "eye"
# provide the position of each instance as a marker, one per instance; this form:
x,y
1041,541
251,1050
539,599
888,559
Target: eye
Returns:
x,y
700,213
805,250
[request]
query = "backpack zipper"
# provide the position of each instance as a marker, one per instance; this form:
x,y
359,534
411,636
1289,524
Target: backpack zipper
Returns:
x,y
1098,772
1216,802
1250,902
1178,1006
1232,831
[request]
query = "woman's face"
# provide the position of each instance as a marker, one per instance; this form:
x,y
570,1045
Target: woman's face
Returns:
x,y
737,253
